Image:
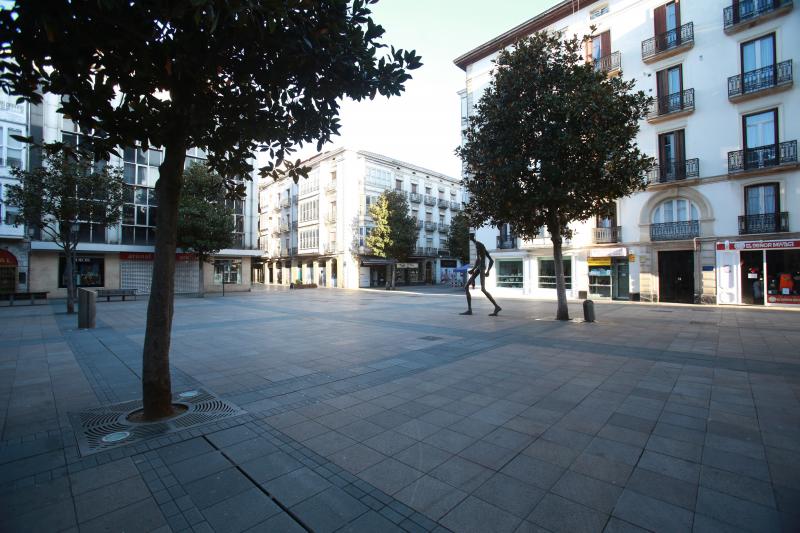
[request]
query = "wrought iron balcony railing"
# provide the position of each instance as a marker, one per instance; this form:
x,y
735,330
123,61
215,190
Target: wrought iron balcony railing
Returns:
x,y
414,197
330,187
609,63
455,206
418,251
430,226
760,79
430,200
444,252
605,235
764,223
746,11
444,228
419,223
672,103
284,227
430,251
675,231
330,248
674,170
507,242
772,155
444,204
669,40
330,218
285,202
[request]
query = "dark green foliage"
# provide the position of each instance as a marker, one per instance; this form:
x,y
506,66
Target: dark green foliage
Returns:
x,y
552,141
395,231
205,222
458,239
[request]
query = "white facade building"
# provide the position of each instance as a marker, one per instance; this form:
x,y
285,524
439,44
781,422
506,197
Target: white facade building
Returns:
x,y
121,256
720,220
13,247
315,231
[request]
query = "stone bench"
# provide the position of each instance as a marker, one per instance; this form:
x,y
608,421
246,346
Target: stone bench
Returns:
x,y
115,293
31,297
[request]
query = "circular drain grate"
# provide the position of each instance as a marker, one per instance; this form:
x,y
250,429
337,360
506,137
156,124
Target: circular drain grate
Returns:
x,y
106,427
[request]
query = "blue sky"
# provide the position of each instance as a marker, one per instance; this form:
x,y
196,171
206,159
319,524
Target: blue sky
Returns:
x,y
422,125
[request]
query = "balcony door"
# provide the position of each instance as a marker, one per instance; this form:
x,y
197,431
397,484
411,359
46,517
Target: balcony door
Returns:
x,y
761,208
758,63
671,156
761,139
670,89
598,47
667,23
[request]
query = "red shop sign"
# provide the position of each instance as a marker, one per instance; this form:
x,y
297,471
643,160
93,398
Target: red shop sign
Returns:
x,y
783,298
759,245
7,259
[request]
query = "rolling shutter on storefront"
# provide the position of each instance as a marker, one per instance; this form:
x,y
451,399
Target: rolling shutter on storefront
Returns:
x,y
136,272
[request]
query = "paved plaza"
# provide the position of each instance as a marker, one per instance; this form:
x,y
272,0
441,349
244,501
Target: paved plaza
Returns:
x,y
380,412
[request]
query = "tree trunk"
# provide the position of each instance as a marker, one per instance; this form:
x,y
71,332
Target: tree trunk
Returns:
x,y
156,382
69,273
562,313
200,285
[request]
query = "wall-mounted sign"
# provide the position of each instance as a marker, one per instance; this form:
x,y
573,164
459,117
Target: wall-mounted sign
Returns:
x,y
759,245
7,259
407,265
631,258
599,261
150,256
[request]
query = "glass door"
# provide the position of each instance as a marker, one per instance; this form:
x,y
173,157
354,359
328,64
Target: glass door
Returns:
x,y
760,139
620,279
674,83
758,63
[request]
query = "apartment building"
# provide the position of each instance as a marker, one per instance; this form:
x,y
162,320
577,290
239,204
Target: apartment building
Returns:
x,y
720,219
121,256
14,249
315,231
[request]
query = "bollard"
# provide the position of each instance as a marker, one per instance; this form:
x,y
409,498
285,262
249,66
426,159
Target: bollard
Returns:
x,y
87,312
588,311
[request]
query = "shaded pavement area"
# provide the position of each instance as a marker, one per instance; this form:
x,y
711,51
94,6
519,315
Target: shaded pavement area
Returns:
x,y
380,411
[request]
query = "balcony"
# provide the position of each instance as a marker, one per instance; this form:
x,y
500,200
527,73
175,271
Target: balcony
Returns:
x,y
674,171
760,82
443,204
330,187
671,106
276,208
285,202
294,199
294,250
430,200
609,64
507,242
330,218
430,251
294,224
276,231
430,226
284,227
414,197
764,223
455,206
675,231
330,248
418,251
419,224
773,156
668,44
444,252
747,13
444,228
605,235
284,252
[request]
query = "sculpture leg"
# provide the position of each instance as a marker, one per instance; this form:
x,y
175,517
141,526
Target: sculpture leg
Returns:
x,y
469,296
497,308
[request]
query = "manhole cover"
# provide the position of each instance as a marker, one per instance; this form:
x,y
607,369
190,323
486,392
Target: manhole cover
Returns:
x,y
430,338
107,427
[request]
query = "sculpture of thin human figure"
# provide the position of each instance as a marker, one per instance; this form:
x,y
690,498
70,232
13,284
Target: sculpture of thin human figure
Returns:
x,y
479,268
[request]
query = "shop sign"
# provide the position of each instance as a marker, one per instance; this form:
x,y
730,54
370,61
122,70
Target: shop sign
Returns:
x,y
7,259
759,245
631,258
783,298
599,261
149,256
407,265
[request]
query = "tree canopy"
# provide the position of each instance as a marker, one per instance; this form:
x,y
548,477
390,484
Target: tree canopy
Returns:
x,y
395,231
228,76
551,141
205,219
458,238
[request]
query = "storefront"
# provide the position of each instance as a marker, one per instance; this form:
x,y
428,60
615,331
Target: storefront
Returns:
x,y
136,272
89,271
8,272
609,273
407,274
758,272
373,272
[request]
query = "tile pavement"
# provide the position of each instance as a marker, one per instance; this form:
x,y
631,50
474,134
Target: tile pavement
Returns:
x,y
369,411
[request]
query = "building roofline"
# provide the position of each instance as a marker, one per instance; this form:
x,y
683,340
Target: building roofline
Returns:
x,y
391,161
540,21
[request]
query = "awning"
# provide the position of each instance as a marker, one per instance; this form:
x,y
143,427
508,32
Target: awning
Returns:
x,y
377,262
7,259
608,252
462,268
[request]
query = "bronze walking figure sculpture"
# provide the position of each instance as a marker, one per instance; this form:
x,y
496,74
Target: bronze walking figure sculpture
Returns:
x,y
479,268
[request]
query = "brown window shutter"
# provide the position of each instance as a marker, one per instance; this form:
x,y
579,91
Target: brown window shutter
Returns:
x,y
678,15
735,9
660,20
662,85
680,154
605,43
588,49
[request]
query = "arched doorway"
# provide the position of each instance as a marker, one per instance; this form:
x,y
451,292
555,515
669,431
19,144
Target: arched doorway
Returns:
x,y
8,272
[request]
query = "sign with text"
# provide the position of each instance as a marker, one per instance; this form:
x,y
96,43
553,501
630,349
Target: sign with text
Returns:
x,y
784,298
407,265
149,256
599,261
759,245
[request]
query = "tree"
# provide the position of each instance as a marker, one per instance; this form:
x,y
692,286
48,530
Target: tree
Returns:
x,y
395,231
552,141
205,221
458,238
64,197
230,77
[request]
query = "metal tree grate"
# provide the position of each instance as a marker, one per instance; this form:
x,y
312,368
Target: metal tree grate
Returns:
x,y
107,427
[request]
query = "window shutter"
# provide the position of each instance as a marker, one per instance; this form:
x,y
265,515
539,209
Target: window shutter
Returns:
x,y
662,85
605,43
678,17
660,20
680,155
588,49
735,9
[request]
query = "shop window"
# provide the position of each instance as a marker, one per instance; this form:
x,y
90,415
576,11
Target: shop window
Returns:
x,y
88,271
600,276
783,276
547,273
509,273
227,271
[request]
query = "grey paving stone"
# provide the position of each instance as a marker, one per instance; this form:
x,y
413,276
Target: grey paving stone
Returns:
x,y
487,454
280,523
461,473
475,515
296,486
417,429
329,510
356,458
449,440
371,521
652,514
739,464
93,478
602,469
598,495
423,457
103,500
614,451
231,436
175,453
703,523
198,467
305,430
566,437
31,465
21,500
508,438
737,512
615,525
533,471
361,430
743,487
561,515
676,448
473,427
670,466
268,467
219,486
329,443
390,475
510,494
390,442
249,449
546,450
51,516
430,496
662,487
241,512
141,516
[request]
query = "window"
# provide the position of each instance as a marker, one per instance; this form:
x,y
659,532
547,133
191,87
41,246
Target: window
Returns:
x,y
89,271
441,219
378,177
671,156
599,12
608,218
309,210
309,239
398,185
669,86
677,210
194,155
139,212
141,167
310,184
547,273
761,138
227,271
758,53
509,273
598,47
11,149
414,188
666,22
761,199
